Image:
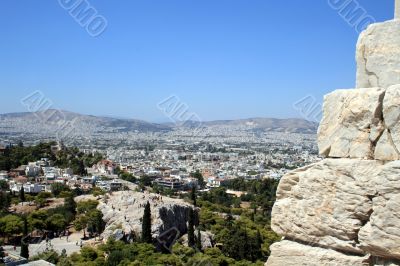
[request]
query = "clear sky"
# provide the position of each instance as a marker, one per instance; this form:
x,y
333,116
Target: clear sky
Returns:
x,y
225,59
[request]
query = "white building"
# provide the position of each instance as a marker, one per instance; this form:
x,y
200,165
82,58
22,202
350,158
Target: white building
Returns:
x,y
32,170
28,187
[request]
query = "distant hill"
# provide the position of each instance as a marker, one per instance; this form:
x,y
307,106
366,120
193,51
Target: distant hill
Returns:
x,y
43,122
270,124
293,125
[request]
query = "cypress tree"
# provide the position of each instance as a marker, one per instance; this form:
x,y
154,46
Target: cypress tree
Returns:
x,y
259,241
2,254
22,194
198,240
70,204
24,245
24,250
194,196
146,225
191,238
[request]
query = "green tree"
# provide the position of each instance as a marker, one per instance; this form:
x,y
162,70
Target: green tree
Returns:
x,y
58,188
193,196
127,177
85,207
115,258
198,240
5,201
22,194
95,221
37,220
56,223
199,177
145,181
2,254
69,203
81,222
24,250
11,225
4,185
146,225
191,238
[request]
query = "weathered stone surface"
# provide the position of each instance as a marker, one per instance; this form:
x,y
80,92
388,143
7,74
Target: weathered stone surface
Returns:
x,y
381,235
385,150
397,9
391,114
352,123
383,262
124,210
289,253
326,204
349,205
378,55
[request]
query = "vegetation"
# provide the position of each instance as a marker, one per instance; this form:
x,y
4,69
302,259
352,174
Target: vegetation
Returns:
x,y
89,218
191,237
146,225
240,225
15,156
128,177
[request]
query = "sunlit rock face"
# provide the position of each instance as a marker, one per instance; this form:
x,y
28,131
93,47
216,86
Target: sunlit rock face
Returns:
x,y
378,55
352,123
361,123
345,210
123,213
290,253
349,205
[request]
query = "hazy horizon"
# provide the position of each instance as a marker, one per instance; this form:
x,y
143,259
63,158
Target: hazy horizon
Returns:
x,y
223,59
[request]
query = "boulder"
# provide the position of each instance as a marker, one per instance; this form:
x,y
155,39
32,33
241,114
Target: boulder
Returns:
x,y
378,55
290,253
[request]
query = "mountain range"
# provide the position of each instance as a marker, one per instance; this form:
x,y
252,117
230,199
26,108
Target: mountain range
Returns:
x,y
47,120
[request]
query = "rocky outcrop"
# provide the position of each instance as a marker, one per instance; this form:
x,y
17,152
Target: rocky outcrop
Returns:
x,y
378,55
349,205
345,210
123,211
288,253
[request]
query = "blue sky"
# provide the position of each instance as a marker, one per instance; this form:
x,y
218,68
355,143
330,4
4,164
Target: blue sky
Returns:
x,y
225,59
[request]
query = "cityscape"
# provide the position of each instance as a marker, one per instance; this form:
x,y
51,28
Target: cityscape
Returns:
x,y
200,133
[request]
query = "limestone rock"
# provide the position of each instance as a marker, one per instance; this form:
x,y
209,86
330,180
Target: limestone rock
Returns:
x,y
378,55
383,262
381,235
326,204
294,254
351,123
385,150
391,113
124,210
349,205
